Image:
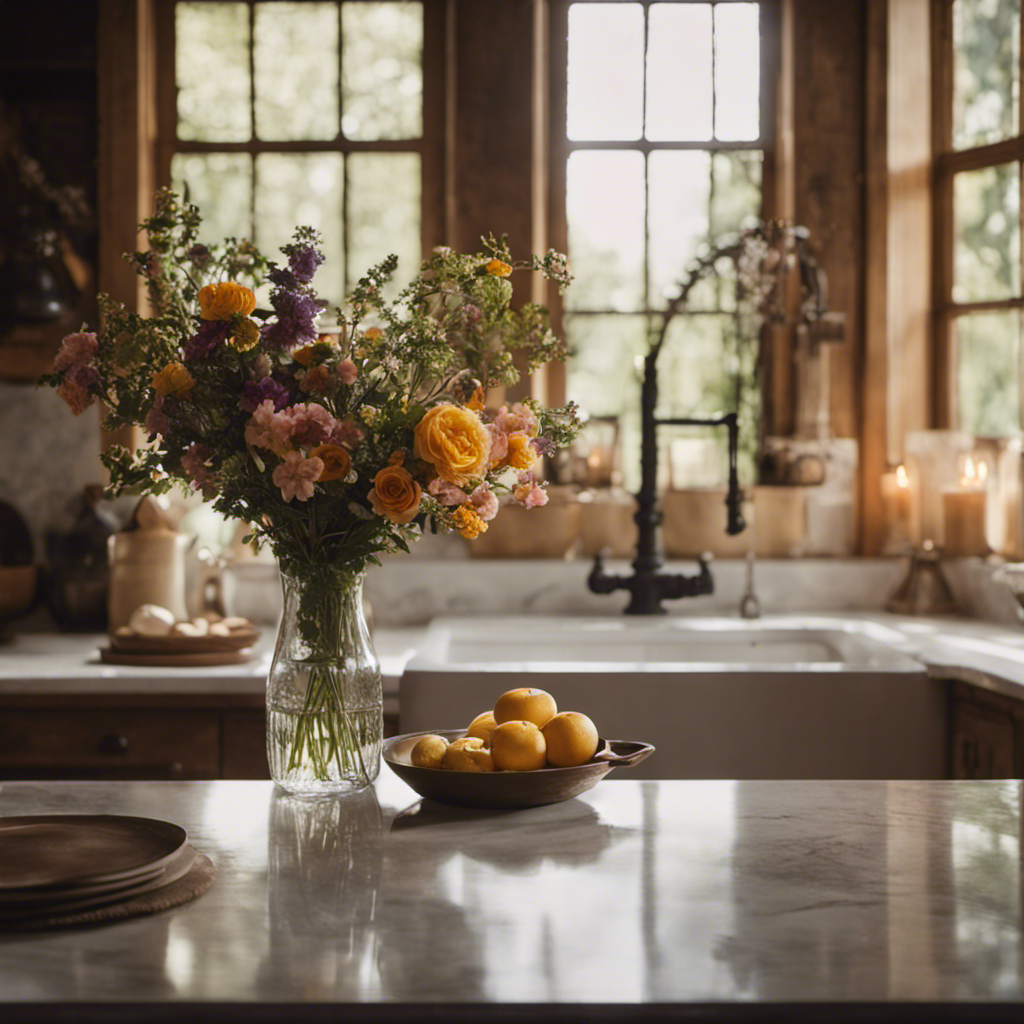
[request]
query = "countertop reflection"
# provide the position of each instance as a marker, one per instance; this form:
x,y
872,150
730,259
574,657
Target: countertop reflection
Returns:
x,y
684,895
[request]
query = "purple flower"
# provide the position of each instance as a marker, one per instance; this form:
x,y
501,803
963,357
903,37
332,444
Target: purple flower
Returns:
x,y
211,333
83,376
256,392
296,318
304,261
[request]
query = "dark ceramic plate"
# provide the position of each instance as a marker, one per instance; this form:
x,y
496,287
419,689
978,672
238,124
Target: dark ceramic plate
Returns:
x,y
68,851
507,789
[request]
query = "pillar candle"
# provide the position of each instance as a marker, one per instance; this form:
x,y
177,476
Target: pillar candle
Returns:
x,y
963,514
897,500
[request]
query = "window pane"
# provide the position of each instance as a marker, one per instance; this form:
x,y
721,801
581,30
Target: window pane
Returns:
x,y
679,103
212,70
296,69
986,71
986,207
220,184
736,197
603,376
680,197
605,72
605,214
382,70
737,72
988,372
384,215
300,189
705,368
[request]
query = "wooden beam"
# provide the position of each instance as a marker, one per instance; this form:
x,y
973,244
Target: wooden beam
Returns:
x,y
127,148
875,453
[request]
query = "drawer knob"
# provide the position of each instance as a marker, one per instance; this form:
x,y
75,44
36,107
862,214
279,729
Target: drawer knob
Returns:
x,y
114,743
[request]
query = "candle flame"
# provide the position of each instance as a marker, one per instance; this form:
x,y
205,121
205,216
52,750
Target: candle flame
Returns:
x,y
902,480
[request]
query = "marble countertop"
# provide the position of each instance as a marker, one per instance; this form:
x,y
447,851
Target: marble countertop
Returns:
x,y
70,663
652,900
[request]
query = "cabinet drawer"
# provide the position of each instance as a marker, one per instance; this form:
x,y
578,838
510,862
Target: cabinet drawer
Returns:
x,y
114,743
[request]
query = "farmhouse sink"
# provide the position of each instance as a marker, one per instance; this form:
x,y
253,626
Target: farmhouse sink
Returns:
x,y
807,697
575,644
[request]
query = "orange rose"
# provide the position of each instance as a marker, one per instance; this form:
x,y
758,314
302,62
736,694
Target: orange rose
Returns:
x,y
454,441
336,459
521,454
303,355
222,301
395,494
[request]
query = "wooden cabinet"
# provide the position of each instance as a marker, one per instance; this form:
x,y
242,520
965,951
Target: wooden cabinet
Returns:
x,y
126,736
986,734
106,736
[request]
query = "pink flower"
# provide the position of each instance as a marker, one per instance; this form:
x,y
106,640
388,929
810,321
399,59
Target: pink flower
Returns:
x,y
82,375
156,419
268,428
484,502
348,371
521,420
499,444
528,492
312,424
295,476
446,492
347,433
194,462
76,348
78,398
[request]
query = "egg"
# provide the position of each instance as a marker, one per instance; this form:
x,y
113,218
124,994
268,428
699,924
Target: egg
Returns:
x,y
151,620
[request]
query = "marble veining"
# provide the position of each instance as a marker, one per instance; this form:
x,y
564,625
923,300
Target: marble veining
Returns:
x,y
684,892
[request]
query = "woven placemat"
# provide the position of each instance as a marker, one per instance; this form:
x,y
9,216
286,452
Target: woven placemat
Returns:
x,y
191,885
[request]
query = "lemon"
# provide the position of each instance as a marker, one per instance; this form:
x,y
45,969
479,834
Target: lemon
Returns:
x,y
518,746
571,739
525,704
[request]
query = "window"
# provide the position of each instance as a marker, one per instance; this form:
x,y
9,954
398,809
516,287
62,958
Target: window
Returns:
x,y
980,147
289,113
660,158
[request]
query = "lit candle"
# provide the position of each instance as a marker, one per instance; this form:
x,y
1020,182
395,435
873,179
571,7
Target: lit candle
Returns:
x,y
897,499
963,511
600,463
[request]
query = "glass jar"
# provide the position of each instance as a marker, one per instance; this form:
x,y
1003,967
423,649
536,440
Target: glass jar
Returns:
x,y
324,699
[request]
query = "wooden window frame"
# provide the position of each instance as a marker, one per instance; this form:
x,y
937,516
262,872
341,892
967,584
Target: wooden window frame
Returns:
x,y
429,145
560,148
948,162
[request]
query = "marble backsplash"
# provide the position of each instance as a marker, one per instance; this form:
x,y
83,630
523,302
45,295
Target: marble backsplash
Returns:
x,y
47,455
408,591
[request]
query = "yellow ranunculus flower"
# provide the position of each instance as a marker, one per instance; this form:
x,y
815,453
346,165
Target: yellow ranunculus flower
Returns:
x,y
173,381
468,522
454,441
521,454
336,459
395,494
498,268
246,335
222,301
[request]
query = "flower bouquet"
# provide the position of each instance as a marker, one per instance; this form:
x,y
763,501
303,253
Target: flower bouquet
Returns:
x,y
335,446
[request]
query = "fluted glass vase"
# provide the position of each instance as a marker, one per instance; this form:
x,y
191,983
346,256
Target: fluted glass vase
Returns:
x,y
324,701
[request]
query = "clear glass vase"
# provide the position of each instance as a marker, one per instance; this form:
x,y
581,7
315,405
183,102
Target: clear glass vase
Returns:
x,y
324,701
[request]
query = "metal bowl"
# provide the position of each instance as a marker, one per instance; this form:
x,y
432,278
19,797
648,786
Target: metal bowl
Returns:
x,y
507,789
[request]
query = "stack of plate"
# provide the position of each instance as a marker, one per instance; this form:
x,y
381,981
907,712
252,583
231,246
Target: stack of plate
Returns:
x,y
61,863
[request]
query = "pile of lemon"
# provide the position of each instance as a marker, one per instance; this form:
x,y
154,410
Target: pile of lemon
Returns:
x,y
524,732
